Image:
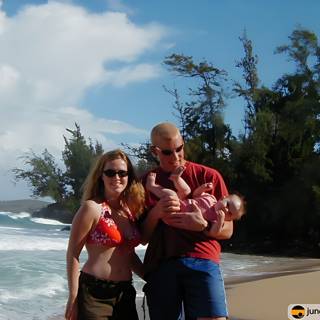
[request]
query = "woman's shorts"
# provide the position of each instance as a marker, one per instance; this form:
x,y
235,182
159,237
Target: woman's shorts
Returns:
x,y
100,299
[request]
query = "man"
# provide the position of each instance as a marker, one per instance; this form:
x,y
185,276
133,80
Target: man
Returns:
x,y
182,260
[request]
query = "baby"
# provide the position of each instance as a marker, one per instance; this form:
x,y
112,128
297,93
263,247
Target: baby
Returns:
x,y
232,205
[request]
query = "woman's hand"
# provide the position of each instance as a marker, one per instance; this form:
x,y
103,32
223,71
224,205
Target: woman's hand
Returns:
x,y
71,309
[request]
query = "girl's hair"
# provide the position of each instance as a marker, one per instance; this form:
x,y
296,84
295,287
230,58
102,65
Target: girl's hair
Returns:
x,y
93,188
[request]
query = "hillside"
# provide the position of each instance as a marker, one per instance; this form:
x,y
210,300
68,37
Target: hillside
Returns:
x,y
25,205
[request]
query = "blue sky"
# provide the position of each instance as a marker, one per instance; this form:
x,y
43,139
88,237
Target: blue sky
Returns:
x,y
99,63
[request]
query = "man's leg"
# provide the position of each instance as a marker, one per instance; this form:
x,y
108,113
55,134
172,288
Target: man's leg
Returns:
x,y
163,293
204,292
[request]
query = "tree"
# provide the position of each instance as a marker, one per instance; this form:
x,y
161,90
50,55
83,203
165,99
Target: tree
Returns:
x,y
248,64
278,159
78,156
44,177
201,117
142,153
304,49
47,179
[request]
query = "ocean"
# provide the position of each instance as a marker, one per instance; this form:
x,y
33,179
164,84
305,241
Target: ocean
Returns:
x,y
33,282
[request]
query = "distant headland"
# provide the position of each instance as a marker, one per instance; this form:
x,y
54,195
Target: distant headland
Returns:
x,y
38,208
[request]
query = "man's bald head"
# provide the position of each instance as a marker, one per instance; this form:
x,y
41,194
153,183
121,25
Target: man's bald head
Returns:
x,y
165,131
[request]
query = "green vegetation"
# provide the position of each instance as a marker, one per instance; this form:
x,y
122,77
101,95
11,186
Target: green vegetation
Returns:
x,y
274,163
45,177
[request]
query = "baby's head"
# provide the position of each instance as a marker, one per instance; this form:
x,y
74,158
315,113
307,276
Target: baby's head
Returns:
x,y
235,205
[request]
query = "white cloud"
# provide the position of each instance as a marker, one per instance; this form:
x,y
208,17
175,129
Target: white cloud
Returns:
x,y
8,78
61,49
131,74
50,56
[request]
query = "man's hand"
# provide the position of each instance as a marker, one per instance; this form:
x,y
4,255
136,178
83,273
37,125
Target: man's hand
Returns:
x,y
166,206
190,220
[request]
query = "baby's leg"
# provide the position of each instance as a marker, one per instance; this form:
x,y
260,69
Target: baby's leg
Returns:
x,y
202,189
182,187
155,188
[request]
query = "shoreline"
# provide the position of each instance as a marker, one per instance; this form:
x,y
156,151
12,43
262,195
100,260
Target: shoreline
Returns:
x,y
274,271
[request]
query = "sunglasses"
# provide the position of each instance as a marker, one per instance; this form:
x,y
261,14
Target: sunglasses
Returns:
x,y
112,173
168,152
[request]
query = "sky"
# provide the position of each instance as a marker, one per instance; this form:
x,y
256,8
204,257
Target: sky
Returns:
x,y
99,63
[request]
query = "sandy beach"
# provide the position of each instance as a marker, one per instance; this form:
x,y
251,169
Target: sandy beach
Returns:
x,y
267,297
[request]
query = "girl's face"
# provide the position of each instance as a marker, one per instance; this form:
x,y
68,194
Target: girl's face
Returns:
x,y
115,178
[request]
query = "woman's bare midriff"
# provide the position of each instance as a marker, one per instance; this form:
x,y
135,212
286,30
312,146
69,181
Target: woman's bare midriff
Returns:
x,y
109,263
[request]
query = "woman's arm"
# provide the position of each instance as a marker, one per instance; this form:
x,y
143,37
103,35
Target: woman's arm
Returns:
x,y
81,225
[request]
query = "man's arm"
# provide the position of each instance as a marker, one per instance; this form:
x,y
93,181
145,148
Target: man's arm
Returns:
x,y
165,206
190,220
194,221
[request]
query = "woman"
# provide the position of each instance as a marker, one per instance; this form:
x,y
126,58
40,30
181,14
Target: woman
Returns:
x,y
105,224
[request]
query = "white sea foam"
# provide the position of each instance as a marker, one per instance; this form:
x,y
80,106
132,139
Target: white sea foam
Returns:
x,y
23,215
46,221
5,213
55,286
15,216
12,228
30,243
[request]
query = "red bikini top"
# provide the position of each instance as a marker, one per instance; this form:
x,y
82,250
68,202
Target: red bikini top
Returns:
x,y
106,232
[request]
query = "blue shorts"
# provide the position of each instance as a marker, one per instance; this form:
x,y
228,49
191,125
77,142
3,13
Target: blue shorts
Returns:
x,y
195,283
